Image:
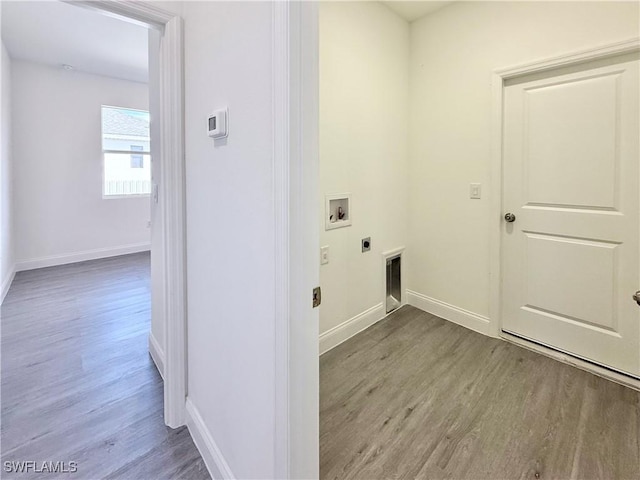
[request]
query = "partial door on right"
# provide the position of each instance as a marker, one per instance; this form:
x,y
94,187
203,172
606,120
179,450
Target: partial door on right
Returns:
x,y
571,256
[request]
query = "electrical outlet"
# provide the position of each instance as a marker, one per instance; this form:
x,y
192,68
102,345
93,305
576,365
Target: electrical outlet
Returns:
x,y
324,255
366,244
475,191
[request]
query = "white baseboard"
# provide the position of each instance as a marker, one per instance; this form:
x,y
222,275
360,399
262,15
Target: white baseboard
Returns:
x,y
157,354
65,258
6,283
211,454
470,320
340,333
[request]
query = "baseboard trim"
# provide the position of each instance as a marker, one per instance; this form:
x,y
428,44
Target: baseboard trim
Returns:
x,y
211,454
6,283
63,259
340,333
157,354
465,318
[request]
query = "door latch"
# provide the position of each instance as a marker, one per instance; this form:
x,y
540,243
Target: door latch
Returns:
x,y
317,297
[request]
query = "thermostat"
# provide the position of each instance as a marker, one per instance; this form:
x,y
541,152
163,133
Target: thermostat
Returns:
x,y
218,125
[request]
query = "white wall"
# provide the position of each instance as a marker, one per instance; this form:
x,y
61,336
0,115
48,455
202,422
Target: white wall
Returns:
x,y
364,95
453,53
6,185
230,232
60,215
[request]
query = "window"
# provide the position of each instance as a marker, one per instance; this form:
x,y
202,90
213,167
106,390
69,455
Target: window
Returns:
x,y
126,152
137,160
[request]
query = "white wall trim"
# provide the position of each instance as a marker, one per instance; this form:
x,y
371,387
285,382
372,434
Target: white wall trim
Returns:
x,y
139,13
496,207
65,258
498,78
295,54
6,283
343,332
173,204
281,188
211,454
157,354
581,56
465,318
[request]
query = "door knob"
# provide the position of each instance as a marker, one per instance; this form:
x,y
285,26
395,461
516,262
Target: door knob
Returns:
x,y
636,297
510,217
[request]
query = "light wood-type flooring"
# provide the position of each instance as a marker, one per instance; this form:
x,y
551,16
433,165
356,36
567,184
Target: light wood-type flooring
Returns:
x,y
416,396
78,384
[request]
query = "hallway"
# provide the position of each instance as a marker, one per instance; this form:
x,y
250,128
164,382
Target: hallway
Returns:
x,y
78,384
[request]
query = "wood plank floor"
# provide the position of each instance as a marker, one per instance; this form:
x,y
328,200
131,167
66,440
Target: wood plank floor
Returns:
x,y
415,396
77,380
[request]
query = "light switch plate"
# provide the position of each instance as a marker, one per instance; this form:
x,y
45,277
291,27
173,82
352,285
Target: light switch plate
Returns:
x,y
324,255
475,191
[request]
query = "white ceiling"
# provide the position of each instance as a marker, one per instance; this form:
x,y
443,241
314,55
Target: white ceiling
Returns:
x,y
56,33
411,11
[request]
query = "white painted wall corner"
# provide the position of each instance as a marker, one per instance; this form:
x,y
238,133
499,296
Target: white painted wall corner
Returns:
x,y
157,354
211,454
74,257
6,283
465,318
340,333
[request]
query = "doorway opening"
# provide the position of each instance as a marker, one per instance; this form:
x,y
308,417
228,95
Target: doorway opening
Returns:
x,y
164,190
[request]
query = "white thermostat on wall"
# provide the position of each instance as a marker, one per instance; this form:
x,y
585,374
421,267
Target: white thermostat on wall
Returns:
x,y
218,124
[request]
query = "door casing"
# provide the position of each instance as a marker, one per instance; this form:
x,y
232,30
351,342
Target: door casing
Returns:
x,y
497,208
171,200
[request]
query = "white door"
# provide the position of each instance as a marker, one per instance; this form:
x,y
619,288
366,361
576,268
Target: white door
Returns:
x,y
570,259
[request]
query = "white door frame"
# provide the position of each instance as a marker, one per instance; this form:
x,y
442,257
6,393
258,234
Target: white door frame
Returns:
x,y
497,208
171,201
297,237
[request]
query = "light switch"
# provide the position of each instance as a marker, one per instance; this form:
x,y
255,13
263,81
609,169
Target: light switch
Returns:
x,y
475,191
324,255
